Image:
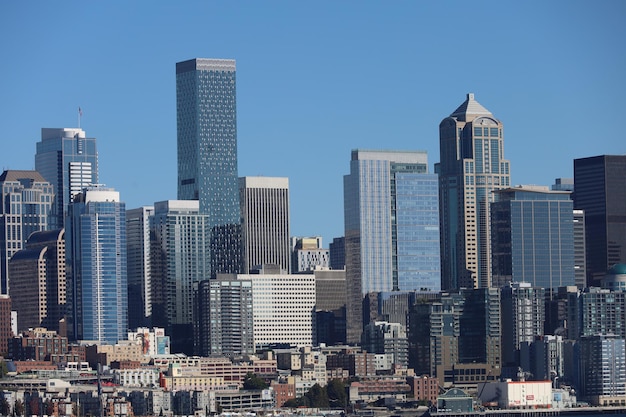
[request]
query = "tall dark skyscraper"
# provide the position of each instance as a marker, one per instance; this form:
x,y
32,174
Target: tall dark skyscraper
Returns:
x,y
600,190
472,166
206,116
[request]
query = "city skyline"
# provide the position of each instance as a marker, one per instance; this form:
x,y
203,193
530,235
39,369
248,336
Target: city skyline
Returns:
x,y
315,82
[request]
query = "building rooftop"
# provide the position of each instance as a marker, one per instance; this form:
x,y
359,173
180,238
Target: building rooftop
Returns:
x,y
470,107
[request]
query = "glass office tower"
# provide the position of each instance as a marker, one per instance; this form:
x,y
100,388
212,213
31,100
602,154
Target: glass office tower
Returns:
x,y
533,237
472,166
96,227
600,190
391,227
206,118
68,159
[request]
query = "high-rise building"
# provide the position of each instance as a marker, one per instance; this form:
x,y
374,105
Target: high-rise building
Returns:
x,y
68,159
265,221
27,200
224,317
457,337
580,260
600,190
179,247
337,253
283,308
603,369
563,184
523,316
391,227
330,305
139,266
5,324
206,116
96,231
596,311
308,255
472,166
532,237
38,281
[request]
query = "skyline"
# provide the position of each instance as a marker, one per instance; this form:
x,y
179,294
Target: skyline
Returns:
x,y
314,82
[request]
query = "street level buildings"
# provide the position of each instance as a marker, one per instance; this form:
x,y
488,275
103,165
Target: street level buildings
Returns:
x,y
68,159
96,231
206,118
472,166
391,228
26,207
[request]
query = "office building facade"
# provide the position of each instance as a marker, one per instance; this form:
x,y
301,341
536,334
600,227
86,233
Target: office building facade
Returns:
x,y
532,237
283,308
472,166
38,288
224,317
308,255
391,227
180,243
96,231
27,201
206,117
139,266
265,221
68,159
523,316
580,259
600,190
603,370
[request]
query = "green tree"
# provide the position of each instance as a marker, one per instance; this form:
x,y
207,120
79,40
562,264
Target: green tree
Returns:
x,y
336,392
253,382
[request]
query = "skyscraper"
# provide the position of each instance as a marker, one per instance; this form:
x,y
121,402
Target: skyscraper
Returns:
x,y
391,227
26,207
265,221
532,237
97,254
68,159
600,190
472,166
206,118
139,266
38,281
180,242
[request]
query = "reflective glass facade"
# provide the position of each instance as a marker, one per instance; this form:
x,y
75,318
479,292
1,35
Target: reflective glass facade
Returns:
x,y
69,160
206,118
533,238
97,230
391,227
600,184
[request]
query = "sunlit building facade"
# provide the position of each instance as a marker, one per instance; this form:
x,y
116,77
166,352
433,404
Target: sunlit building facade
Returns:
x,y
472,166
206,116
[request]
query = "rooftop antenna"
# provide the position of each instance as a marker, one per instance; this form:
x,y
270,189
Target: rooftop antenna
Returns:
x,y
80,115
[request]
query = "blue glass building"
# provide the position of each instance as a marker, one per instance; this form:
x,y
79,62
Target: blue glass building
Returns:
x,y
533,237
206,118
391,227
68,159
98,292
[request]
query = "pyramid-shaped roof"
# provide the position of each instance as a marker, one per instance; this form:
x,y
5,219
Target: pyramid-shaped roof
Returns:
x,y
470,107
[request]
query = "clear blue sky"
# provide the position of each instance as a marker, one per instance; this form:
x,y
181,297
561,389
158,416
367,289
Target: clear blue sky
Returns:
x,y
315,80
